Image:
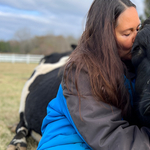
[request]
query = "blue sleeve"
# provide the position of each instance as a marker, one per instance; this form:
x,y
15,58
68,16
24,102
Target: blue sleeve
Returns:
x,y
57,129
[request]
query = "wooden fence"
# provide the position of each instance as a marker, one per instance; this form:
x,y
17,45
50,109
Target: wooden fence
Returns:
x,y
20,58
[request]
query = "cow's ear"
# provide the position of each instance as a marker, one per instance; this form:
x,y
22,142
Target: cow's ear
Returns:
x,y
147,21
73,46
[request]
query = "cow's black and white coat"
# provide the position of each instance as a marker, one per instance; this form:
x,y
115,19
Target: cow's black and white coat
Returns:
x,y
38,91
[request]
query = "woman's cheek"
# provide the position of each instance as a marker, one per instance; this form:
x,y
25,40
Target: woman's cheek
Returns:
x,y
127,44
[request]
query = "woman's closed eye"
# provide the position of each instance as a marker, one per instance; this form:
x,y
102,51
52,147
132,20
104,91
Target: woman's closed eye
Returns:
x,y
126,34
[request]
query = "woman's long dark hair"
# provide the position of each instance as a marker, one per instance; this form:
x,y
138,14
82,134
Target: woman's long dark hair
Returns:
x,y
98,52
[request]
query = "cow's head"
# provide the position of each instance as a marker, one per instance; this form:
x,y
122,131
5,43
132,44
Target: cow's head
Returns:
x,y
141,46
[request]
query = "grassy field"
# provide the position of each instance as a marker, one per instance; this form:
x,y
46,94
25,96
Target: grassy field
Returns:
x,y
12,80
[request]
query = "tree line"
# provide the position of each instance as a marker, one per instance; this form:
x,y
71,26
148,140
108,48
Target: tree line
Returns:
x,y
38,45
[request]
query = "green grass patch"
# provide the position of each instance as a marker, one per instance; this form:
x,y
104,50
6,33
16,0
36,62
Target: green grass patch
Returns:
x,y
12,80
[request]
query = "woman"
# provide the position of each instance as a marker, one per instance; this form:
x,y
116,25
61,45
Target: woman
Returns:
x,y
93,107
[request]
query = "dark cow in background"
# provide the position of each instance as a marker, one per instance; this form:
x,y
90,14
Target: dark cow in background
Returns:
x,y
38,91
55,57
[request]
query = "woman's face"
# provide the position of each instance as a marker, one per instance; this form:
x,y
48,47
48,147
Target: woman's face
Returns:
x,y
127,26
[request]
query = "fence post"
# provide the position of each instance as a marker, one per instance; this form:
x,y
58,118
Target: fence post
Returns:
x,y
13,58
28,59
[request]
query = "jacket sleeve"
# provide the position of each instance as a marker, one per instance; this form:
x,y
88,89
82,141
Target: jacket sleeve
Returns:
x,y
99,124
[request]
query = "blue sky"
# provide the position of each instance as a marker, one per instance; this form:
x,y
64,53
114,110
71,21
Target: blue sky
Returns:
x,y
42,17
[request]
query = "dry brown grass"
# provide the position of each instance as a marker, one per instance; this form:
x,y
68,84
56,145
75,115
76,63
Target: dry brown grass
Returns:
x,y
12,80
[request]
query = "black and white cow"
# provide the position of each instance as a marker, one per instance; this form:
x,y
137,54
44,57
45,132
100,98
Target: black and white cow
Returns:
x,y
38,91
